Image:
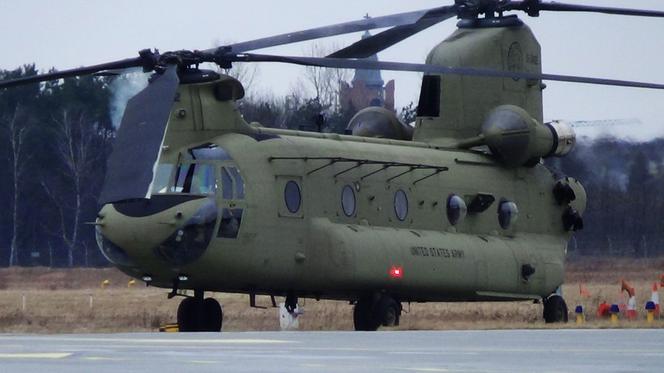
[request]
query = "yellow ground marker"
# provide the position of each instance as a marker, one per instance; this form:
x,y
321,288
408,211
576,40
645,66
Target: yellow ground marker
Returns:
x,y
169,328
35,355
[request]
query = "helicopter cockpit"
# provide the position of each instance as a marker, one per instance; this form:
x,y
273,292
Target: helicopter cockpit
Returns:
x,y
207,170
205,176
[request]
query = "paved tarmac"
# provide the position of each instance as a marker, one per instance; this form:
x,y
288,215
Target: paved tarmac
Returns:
x,y
414,351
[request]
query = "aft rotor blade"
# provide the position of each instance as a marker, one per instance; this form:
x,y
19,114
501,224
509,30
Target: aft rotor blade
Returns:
x,y
331,30
121,64
340,63
136,150
536,6
374,44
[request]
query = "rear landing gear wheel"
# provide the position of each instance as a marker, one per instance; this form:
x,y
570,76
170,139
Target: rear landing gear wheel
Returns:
x,y
363,316
388,311
372,312
555,309
198,315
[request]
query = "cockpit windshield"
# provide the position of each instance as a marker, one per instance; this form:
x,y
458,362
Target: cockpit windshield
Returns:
x,y
195,178
195,174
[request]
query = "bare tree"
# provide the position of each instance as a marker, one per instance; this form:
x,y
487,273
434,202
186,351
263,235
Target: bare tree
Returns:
x,y
17,131
325,82
245,73
76,149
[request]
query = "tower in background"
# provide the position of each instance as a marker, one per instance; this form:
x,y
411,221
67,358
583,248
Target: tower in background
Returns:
x,y
367,89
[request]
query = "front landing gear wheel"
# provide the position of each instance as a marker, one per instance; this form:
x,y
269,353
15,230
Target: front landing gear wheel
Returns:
x,y
213,315
555,309
187,321
198,315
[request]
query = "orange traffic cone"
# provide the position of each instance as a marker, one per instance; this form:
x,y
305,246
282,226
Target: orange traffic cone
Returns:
x,y
583,291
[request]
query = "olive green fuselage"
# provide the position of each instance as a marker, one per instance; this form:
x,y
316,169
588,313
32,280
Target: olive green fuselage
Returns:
x,y
319,251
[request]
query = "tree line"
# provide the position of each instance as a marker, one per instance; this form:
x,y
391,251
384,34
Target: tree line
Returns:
x,y
55,138
623,180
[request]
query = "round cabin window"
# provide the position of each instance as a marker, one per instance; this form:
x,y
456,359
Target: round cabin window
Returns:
x,y
292,197
348,200
456,209
401,205
507,214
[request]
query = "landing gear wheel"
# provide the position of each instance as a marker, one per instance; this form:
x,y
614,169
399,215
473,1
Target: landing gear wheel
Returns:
x,y
197,315
555,309
213,315
187,321
372,312
388,311
363,316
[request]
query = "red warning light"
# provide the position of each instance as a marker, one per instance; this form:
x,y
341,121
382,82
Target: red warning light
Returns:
x,y
396,272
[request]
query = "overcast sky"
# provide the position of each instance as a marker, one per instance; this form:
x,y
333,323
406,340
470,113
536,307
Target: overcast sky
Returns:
x,y
71,33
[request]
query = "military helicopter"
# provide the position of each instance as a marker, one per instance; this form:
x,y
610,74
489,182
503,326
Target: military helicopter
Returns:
x,y
459,208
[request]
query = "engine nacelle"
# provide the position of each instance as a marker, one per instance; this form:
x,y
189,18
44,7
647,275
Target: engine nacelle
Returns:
x,y
517,139
379,122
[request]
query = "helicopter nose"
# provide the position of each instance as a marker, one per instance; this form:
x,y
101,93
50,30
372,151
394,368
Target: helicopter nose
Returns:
x,y
189,241
174,230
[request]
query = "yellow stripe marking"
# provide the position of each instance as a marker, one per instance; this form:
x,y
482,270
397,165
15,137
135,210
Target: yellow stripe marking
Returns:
x,y
45,355
160,341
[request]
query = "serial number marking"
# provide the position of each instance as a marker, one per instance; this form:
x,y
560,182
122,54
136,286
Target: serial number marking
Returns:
x,y
437,252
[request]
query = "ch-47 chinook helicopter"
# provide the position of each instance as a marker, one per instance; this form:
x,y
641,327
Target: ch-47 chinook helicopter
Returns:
x,y
195,198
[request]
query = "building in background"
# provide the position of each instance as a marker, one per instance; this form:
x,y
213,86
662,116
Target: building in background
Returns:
x,y
366,89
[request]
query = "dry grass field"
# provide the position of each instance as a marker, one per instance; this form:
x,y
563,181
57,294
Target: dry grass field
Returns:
x,y
39,300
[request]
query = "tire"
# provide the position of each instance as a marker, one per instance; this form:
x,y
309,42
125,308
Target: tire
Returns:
x,y
555,309
388,311
187,315
363,316
213,315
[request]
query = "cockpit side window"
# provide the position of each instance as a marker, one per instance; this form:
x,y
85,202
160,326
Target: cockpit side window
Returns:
x,y
237,181
226,184
203,181
231,219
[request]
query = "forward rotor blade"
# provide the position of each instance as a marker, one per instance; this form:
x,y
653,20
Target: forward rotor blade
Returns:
x,y
536,6
433,69
139,140
374,44
331,30
121,64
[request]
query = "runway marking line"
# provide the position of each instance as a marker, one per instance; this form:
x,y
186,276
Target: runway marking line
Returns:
x,y
35,355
